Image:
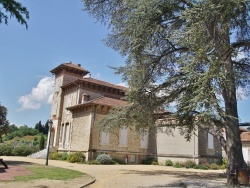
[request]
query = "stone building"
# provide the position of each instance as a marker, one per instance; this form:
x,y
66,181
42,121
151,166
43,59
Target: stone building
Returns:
x,y
171,144
79,101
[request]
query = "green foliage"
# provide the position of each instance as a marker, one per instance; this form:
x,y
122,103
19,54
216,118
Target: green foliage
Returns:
x,y
189,164
42,128
206,164
41,143
177,165
21,150
48,172
6,149
58,156
225,162
21,132
104,159
12,8
77,157
149,161
186,52
214,166
118,161
24,150
4,123
169,163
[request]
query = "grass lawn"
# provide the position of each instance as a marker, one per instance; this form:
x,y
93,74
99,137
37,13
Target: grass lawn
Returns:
x,y
48,172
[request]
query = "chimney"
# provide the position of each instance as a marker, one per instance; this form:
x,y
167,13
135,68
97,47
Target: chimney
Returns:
x,y
85,98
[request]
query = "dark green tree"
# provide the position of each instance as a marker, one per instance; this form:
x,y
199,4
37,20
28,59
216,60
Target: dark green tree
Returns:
x,y
39,127
46,127
194,54
41,143
12,8
4,123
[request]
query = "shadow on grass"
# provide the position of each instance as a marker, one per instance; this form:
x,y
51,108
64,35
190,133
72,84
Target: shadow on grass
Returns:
x,y
17,163
178,174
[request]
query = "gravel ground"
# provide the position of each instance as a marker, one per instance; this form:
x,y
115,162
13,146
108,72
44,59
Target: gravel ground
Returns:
x,y
124,176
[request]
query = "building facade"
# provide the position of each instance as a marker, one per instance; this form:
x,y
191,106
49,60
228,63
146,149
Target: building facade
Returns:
x,y
79,101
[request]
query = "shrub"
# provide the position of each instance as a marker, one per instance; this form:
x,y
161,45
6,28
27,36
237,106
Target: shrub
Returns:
x,y
214,166
203,167
196,166
149,161
104,159
65,156
169,163
189,164
41,143
222,167
177,165
118,161
206,164
24,150
225,162
5,149
154,162
55,156
77,157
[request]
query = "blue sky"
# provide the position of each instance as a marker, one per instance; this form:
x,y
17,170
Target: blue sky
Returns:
x,y
59,31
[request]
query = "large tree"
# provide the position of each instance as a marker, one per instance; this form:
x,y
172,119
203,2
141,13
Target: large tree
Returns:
x,y
194,54
12,8
4,123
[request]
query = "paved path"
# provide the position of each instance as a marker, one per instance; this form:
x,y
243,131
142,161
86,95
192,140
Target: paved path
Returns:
x,y
134,176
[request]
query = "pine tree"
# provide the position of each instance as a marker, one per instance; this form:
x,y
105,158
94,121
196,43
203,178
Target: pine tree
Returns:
x,y
194,54
41,143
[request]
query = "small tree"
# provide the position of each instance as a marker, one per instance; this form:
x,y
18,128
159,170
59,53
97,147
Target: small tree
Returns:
x,y
4,123
192,53
41,143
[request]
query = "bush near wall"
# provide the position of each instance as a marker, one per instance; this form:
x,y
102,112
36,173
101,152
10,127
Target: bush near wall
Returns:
x,y
77,157
59,156
104,159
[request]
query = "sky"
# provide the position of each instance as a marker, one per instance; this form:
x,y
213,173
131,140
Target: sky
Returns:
x,y
58,32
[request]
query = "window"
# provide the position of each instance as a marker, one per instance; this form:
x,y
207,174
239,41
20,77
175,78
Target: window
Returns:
x,y
66,141
210,140
144,138
123,136
105,137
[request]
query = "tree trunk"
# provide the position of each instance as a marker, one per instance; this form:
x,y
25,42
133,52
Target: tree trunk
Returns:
x,y
233,148
236,161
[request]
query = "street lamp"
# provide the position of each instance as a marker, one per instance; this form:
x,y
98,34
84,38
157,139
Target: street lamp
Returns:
x,y
48,140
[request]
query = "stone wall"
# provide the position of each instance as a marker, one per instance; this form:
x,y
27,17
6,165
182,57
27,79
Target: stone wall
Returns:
x,y
80,134
207,154
172,145
132,151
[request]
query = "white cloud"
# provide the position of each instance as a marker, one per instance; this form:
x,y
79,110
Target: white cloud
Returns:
x,y
39,95
122,84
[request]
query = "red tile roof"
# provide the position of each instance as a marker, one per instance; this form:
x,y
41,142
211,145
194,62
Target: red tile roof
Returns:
x,y
103,83
105,101
70,65
245,136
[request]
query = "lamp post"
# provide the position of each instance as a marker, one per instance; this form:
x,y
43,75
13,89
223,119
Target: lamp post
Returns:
x,y
48,140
